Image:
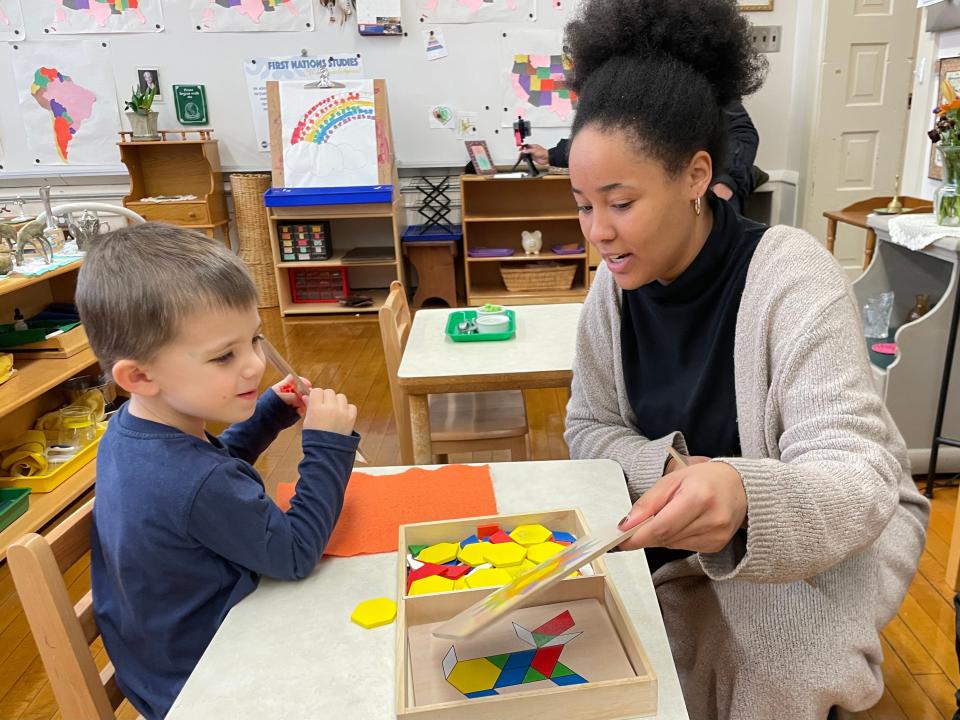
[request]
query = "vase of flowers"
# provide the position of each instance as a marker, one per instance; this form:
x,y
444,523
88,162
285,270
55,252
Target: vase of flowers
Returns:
x,y
946,136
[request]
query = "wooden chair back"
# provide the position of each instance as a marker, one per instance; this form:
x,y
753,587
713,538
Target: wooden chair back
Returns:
x,y
395,321
63,631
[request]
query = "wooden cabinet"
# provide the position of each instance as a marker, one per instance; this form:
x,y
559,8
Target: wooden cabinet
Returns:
x,y
909,382
31,393
351,227
495,212
178,167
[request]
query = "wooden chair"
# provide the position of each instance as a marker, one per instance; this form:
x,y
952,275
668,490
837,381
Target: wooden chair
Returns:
x,y
459,422
63,631
856,215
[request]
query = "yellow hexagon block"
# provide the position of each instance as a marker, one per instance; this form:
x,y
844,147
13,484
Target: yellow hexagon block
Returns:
x,y
472,675
488,577
432,584
506,554
440,553
374,613
539,553
528,535
518,570
472,554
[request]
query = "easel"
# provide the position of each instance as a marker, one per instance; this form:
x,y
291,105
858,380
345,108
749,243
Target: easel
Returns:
x,y
380,204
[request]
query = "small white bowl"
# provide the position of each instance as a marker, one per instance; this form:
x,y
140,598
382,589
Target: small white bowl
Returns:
x,y
493,323
490,313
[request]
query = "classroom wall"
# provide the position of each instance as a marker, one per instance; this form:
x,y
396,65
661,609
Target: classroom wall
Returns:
x,y
774,108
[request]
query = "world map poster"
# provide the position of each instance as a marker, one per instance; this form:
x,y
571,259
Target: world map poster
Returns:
x,y
535,82
252,15
68,103
11,20
66,17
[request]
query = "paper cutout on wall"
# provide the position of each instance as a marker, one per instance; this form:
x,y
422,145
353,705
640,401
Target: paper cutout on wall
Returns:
x,y
435,45
467,125
11,20
473,11
329,136
260,70
484,676
66,17
535,85
442,116
252,15
68,102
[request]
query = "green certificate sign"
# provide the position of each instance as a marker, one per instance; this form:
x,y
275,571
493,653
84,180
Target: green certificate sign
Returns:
x,y
191,103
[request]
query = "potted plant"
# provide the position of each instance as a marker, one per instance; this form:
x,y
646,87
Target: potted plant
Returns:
x,y
946,136
143,120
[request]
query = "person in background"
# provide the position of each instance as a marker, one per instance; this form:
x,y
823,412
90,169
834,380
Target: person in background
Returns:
x,y
733,183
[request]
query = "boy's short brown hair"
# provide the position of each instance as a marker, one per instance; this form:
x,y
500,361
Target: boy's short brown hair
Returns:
x,y
138,284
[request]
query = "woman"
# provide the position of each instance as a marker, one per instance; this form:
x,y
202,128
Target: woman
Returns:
x,y
777,562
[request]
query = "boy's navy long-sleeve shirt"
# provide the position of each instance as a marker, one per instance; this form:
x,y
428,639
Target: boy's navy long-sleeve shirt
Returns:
x,y
183,529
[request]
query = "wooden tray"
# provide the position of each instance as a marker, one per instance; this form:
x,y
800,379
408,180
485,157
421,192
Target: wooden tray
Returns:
x,y
61,346
628,686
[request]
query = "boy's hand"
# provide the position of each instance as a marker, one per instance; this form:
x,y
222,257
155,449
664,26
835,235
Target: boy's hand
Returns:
x,y
330,411
287,391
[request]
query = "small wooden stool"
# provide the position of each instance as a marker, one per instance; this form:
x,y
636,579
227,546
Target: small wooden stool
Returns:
x,y
436,272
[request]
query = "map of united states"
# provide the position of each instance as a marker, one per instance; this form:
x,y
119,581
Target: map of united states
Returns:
x,y
253,9
540,80
99,10
69,105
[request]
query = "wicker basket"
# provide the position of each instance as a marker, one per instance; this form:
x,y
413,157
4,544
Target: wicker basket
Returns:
x,y
252,225
265,280
538,276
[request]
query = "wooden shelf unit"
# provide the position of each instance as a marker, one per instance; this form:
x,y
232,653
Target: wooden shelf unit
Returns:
x,y
351,226
178,167
495,211
30,393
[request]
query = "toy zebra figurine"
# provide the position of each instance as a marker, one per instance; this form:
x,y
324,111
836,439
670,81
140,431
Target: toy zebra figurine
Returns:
x,y
481,677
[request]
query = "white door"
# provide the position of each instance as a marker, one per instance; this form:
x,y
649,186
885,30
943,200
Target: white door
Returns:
x,y
858,130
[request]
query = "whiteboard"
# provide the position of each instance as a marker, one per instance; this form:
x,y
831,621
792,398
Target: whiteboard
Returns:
x,y
470,78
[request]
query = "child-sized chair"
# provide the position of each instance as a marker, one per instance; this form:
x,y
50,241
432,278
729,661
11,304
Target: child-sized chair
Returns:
x,y
63,631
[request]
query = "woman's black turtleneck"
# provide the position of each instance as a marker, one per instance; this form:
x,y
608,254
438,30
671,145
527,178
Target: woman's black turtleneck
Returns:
x,y
677,346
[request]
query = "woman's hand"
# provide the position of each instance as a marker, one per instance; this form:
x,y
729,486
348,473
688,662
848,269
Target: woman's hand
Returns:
x,y
697,508
287,391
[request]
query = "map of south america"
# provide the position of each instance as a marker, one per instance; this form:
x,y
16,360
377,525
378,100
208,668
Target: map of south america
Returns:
x,y
69,105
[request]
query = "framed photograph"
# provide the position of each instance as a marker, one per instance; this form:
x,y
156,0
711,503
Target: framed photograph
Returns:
x,y
480,157
147,78
949,71
754,6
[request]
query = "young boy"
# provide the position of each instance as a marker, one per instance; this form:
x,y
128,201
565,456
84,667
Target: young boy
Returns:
x,y
182,526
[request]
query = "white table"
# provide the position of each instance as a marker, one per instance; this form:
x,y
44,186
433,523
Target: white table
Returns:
x,y
540,356
289,649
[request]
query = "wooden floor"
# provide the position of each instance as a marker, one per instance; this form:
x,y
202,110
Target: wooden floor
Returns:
x,y
920,665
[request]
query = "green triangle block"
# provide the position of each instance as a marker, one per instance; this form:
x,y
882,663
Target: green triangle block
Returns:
x,y
534,675
541,638
560,670
415,549
499,660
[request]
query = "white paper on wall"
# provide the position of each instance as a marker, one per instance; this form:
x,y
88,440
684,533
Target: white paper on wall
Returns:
x,y
67,17
534,84
68,102
329,135
252,15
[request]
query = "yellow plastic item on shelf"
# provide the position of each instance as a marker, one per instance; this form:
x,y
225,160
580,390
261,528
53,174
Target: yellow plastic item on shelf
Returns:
x,y
48,481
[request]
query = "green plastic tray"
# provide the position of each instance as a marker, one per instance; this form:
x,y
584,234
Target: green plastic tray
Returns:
x,y
13,504
458,316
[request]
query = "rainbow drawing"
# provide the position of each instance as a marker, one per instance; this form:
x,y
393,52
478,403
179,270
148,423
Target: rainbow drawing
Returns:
x,y
329,115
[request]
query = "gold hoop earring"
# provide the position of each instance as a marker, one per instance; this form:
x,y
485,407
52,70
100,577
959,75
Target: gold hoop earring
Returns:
x,y
696,205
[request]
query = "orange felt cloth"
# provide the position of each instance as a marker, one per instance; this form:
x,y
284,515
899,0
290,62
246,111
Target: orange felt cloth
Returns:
x,y
376,506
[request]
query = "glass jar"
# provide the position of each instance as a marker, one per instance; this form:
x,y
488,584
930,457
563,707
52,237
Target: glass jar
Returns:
x,y
77,427
920,308
946,199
